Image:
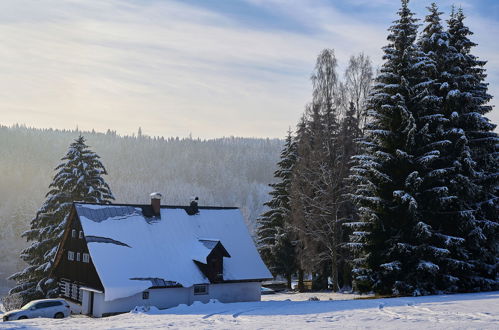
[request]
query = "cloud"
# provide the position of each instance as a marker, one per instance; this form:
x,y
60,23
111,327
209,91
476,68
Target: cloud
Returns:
x,y
173,68
169,68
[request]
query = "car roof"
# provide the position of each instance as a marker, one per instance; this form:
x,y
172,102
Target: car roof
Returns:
x,y
49,299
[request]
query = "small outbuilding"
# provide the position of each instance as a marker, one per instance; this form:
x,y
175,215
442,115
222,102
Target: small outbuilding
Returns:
x,y
114,257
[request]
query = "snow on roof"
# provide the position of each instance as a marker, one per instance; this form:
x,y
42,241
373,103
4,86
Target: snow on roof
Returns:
x,y
132,246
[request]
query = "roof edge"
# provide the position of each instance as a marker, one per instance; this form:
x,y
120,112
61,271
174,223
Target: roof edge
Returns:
x,y
163,206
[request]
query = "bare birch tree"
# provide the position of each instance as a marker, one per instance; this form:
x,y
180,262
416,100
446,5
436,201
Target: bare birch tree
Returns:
x,y
357,86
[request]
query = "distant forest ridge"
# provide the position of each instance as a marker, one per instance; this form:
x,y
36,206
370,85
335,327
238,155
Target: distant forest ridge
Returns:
x,y
228,171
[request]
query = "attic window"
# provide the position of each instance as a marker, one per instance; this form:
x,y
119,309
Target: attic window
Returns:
x,y
78,256
145,295
86,257
200,289
73,233
158,282
71,255
81,234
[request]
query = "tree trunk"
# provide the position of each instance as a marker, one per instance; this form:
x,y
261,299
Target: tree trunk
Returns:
x,y
334,271
301,286
288,278
347,275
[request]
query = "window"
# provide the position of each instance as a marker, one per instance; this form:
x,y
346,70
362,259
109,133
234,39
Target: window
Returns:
x,y
78,256
49,304
201,289
71,255
215,269
86,257
145,295
43,305
158,282
81,234
73,233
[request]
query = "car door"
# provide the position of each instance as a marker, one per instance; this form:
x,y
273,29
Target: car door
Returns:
x,y
55,306
51,308
48,309
38,310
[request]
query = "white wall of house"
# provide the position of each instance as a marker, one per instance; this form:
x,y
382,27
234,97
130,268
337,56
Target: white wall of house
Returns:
x,y
85,305
170,297
236,292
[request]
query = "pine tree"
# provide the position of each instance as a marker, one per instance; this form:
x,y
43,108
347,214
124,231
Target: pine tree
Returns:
x,y
77,178
469,97
275,235
385,173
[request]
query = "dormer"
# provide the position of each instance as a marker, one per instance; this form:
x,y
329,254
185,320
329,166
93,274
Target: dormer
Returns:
x,y
212,266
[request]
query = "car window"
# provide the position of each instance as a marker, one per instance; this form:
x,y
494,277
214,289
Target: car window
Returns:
x,y
28,306
42,305
47,304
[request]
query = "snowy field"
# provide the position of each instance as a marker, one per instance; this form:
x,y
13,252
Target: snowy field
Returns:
x,y
293,311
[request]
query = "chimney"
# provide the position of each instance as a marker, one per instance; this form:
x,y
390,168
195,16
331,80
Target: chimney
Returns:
x,y
193,208
155,203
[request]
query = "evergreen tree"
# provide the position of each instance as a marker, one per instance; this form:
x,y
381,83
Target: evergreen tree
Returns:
x,y
275,236
427,174
350,132
77,178
303,141
444,165
469,97
385,174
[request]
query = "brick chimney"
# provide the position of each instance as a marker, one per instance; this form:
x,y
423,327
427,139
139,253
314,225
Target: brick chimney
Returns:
x,y
155,203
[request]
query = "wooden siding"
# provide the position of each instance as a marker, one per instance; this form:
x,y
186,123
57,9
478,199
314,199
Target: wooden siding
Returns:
x,y
74,271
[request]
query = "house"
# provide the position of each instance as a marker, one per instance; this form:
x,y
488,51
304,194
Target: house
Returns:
x,y
114,257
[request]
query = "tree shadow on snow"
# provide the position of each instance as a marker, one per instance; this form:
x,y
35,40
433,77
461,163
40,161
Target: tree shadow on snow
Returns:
x,y
288,307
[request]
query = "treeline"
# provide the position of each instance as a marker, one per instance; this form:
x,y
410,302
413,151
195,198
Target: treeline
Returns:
x,y
391,184
226,172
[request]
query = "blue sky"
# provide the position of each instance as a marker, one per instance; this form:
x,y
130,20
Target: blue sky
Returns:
x,y
210,68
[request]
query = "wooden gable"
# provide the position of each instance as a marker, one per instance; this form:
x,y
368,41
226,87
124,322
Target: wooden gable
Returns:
x,y
74,246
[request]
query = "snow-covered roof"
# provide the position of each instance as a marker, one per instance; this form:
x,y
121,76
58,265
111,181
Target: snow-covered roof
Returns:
x,y
128,248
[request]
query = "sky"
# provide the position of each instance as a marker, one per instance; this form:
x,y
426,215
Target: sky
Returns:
x,y
206,68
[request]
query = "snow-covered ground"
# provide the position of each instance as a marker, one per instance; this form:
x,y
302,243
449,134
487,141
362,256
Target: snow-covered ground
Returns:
x,y
293,311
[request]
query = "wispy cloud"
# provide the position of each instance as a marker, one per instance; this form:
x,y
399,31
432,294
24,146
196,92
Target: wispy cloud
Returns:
x,y
175,67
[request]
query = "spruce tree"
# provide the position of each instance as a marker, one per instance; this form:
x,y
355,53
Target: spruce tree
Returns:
x,y
77,178
386,178
303,141
469,97
427,175
454,178
275,235
444,164
350,132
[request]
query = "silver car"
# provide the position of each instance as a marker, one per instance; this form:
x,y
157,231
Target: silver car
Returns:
x,y
54,308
